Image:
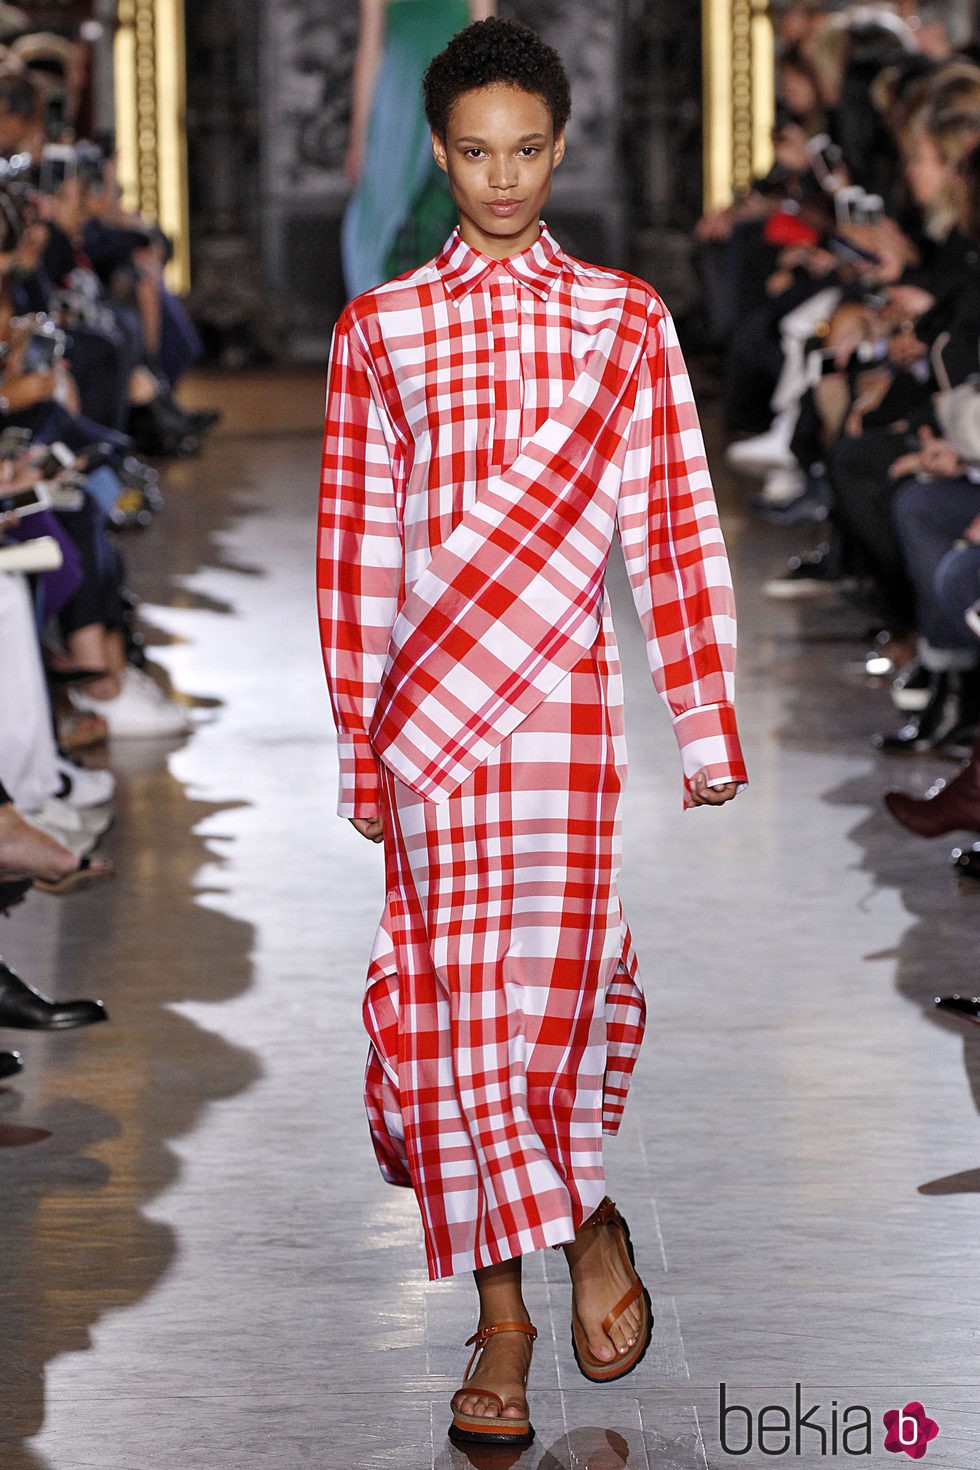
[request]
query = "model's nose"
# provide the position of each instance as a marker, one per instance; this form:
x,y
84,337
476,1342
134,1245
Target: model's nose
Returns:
x,y
503,174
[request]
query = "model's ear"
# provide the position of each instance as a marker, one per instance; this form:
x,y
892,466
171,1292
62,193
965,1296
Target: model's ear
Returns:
x,y
439,152
559,149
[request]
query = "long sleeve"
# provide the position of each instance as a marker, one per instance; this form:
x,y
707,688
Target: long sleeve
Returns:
x,y
677,565
359,559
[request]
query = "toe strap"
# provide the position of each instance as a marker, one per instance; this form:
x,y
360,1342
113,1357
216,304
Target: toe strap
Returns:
x,y
633,1295
477,1393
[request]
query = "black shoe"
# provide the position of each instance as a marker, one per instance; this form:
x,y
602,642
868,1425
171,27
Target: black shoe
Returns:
x,y
959,1006
912,687
13,891
185,420
11,1063
948,717
27,1010
196,421
811,506
204,419
816,575
157,434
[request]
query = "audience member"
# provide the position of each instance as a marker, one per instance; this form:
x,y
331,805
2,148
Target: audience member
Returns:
x,y
844,292
92,347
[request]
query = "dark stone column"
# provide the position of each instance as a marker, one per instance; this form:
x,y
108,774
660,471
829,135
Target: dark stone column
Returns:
x,y
229,298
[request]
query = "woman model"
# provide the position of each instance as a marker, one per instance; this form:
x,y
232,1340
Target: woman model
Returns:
x,y
401,210
492,420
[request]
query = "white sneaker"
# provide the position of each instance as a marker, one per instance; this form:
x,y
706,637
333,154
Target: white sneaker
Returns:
x,y
81,787
90,821
140,711
764,452
783,486
62,822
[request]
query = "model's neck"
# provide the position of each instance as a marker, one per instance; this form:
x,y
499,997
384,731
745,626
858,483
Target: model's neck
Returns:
x,y
498,247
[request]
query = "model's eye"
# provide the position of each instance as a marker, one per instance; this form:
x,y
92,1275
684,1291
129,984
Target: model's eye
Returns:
x,y
529,150
473,153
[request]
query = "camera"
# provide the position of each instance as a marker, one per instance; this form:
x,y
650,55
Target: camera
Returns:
x,y
45,347
24,502
825,158
58,163
14,440
856,207
90,163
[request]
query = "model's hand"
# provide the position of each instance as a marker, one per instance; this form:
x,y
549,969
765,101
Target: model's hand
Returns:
x,y
369,827
704,795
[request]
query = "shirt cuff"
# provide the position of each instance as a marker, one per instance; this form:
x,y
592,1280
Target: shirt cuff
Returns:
x,y
708,739
360,784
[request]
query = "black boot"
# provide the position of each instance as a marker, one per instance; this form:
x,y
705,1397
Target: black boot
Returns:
x,y
949,715
194,421
27,1010
10,1064
157,434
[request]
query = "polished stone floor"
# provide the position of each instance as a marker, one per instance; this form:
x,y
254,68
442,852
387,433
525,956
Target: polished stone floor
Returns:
x,y
202,1269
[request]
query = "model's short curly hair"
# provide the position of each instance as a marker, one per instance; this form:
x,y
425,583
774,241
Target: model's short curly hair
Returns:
x,y
490,52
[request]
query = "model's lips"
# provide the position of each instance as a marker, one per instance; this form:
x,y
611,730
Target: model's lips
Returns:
x,y
504,207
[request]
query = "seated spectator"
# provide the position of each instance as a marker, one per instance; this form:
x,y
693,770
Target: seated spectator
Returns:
x,y
932,512
867,412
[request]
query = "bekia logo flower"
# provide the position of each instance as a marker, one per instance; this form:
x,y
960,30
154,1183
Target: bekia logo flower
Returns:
x,y
909,1429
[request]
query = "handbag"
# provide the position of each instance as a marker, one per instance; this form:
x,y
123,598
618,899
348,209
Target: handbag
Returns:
x,y
957,409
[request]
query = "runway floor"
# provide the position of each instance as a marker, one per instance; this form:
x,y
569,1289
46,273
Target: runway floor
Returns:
x,y
202,1269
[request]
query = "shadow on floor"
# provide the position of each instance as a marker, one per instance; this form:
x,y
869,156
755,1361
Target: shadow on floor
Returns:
x,y
936,954
87,1131
85,1136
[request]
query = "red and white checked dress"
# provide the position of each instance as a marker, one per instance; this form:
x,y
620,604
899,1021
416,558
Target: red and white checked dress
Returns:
x,y
490,425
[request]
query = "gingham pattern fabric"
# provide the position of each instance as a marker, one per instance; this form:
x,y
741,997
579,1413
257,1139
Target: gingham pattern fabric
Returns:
x,y
502,1005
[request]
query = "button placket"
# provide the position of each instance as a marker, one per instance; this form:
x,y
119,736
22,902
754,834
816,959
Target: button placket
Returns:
x,y
508,385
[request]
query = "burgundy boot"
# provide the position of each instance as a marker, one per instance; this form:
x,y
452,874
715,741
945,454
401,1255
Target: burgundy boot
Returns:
x,y
948,807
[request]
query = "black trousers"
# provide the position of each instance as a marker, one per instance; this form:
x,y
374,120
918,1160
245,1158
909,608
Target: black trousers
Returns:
x,y
863,499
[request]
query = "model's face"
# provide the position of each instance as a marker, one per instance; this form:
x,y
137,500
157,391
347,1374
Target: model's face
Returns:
x,y
500,152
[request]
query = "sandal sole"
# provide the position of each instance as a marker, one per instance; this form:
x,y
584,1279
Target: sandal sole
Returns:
x,y
460,1434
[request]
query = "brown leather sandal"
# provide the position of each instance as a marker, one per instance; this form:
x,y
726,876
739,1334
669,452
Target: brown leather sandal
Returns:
x,y
470,1429
588,1366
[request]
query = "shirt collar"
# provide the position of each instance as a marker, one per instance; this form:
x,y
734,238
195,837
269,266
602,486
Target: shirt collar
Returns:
x,y
462,268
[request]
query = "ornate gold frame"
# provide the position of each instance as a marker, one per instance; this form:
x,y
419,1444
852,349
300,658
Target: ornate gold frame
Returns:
x,y
149,69
739,96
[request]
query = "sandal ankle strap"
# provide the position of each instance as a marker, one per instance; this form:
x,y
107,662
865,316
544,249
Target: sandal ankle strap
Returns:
x,y
602,1215
483,1335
